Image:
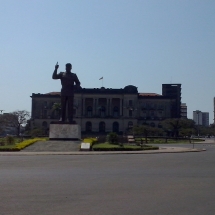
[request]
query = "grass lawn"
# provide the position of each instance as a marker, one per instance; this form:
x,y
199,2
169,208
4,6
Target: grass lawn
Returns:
x,y
114,147
163,140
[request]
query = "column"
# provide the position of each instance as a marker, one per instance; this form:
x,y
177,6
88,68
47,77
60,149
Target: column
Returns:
x,y
110,109
94,106
84,109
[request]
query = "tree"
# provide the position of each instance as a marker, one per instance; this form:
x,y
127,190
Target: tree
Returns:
x,y
112,138
57,107
173,126
211,130
145,130
205,131
2,123
17,119
186,132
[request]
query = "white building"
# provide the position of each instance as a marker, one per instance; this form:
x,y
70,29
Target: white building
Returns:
x,y
183,110
201,118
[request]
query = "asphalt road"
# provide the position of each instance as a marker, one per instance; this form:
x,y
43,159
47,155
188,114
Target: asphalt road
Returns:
x,y
177,183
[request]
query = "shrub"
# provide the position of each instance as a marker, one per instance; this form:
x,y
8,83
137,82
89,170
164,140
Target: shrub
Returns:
x,y
37,132
2,143
90,140
112,147
112,138
20,146
29,142
10,140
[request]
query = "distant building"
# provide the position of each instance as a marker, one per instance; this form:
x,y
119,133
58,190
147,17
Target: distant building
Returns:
x,y
183,110
6,129
106,110
173,91
201,118
214,110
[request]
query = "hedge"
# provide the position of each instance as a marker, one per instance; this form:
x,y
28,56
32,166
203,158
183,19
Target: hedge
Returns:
x,y
22,145
111,147
90,140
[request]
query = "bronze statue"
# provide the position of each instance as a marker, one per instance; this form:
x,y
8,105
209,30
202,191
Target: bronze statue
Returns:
x,y
67,91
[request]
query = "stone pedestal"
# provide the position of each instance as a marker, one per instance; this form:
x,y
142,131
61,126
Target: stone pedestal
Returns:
x,y
64,132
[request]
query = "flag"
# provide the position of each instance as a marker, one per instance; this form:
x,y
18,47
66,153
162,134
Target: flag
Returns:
x,y
101,78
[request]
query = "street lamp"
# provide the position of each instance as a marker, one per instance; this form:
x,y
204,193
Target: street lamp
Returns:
x,y
197,112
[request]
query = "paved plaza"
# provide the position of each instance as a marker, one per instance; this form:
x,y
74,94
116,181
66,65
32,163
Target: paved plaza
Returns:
x,y
109,184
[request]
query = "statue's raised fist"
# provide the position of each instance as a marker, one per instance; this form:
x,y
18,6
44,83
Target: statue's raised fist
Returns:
x,y
56,66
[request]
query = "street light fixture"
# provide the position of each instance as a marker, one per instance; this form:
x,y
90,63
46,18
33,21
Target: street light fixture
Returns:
x,y
197,112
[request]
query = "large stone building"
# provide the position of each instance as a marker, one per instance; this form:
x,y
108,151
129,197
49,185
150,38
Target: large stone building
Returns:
x,y
106,110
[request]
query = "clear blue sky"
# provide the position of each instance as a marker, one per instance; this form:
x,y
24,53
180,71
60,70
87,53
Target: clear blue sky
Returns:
x,y
139,42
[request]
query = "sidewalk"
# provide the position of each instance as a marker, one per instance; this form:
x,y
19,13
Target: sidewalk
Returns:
x,y
57,150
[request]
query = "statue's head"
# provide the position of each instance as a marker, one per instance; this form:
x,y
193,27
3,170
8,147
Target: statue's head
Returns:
x,y
68,67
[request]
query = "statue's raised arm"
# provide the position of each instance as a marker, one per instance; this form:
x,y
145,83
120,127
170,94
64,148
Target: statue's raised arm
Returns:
x,y
55,75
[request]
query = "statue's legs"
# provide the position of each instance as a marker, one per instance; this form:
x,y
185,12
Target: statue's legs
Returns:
x,y
70,108
63,108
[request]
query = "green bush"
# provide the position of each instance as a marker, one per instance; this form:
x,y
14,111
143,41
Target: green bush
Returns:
x,y
29,142
10,140
37,132
112,138
90,140
113,147
2,141
21,145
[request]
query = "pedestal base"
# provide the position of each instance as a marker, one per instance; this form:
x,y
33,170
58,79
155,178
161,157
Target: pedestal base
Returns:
x,y
64,132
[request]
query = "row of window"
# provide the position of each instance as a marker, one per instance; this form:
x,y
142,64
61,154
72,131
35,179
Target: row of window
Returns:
x,y
49,105
102,126
102,111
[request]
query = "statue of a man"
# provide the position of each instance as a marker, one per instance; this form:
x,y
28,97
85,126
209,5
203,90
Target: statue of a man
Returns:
x,y
67,91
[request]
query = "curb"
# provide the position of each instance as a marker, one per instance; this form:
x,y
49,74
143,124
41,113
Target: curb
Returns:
x,y
161,150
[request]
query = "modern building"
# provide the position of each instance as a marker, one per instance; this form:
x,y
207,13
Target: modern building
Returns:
x,y
214,110
201,118
173,91
106,110
183,110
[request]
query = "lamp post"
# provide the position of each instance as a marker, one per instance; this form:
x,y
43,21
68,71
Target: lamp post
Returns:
x,y
197,112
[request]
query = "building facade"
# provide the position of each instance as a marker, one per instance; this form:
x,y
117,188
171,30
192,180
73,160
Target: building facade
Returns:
x,y
201,118
183,110
110,110
214,110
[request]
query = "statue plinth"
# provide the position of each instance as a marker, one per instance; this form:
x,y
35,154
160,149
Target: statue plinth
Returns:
x,y
64,131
